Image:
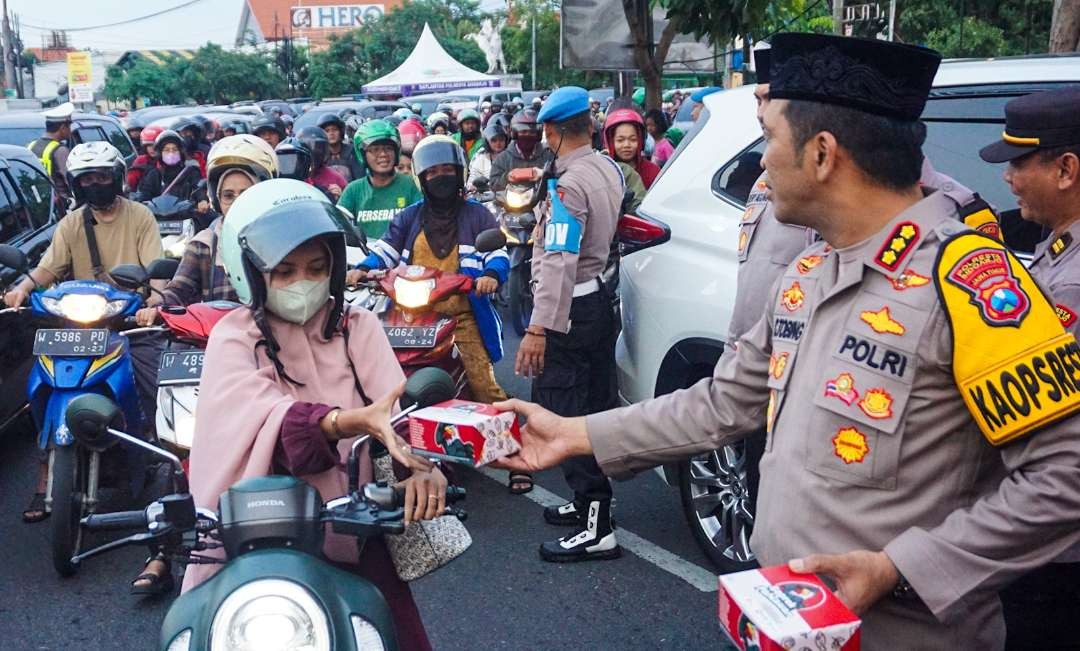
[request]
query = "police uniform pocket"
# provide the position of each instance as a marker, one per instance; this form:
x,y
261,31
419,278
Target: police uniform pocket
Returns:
x,y
851,452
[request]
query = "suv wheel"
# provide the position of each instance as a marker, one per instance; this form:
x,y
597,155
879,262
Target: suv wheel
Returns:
x,y
719,506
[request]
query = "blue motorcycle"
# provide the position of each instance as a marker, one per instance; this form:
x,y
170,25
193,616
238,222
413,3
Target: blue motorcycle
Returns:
x,y
87,353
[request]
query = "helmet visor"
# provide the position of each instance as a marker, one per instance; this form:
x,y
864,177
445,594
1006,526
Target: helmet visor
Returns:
x,y
275,234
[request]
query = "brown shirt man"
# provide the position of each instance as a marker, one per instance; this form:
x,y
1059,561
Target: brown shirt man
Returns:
x,y
130,238
857,372
592,193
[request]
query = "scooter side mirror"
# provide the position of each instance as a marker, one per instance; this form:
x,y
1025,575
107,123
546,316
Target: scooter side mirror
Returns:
x,y
13,258
130,276
428,386
481,183
490,240
88,418
162,269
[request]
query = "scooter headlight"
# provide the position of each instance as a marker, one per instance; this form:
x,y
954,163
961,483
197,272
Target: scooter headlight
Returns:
x,y
518,198
413,293
367,636
270,615
84,308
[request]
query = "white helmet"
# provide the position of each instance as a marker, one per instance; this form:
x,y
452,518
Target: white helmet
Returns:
x,y
485,104
95,157
437,117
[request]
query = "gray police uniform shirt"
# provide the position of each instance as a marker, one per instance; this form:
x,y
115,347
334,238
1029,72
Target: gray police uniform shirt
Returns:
x,y
765,248
1056,266
591,187
870,443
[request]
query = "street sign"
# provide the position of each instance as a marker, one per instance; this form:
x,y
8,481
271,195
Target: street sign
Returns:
x,y
80,77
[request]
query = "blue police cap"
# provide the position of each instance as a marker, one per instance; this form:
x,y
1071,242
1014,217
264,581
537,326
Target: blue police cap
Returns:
x,y
563,104
699,94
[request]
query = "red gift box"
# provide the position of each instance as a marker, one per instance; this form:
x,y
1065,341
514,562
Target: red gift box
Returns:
x,y
472,433
775,609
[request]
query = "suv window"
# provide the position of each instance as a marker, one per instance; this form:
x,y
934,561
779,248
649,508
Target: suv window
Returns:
x,y
20,137
36,191
119,139
734,180
89,134
12,219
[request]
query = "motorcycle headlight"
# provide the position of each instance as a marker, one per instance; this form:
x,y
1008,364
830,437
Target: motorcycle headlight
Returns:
x,y
518,198
367,637
270,615
181,642
413,293
84,308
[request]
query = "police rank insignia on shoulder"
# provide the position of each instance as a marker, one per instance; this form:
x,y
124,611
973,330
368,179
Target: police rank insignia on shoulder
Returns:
x,y
985,274
1013,379
897,245
1058,246
807,263
1065,315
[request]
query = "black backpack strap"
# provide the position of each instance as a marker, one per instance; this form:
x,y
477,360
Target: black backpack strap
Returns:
x,y
91,243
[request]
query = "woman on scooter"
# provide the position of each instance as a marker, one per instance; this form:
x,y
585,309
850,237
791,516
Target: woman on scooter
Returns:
x,y
172,162
290,381
624,137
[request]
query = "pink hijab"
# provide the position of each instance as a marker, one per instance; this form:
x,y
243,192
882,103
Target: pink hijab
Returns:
x,y
242,402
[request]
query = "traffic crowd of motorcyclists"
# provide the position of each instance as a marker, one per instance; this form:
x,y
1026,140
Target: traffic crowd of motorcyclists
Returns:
x,y
913,502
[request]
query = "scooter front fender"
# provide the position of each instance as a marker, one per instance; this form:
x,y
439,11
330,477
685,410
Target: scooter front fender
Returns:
x,y
340,593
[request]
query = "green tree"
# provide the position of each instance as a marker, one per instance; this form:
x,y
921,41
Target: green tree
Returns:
x,y
365,54
143,80
988,28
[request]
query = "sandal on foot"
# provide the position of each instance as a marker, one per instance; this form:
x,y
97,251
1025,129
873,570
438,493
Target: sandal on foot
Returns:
x,y
36,512
520,483
157,583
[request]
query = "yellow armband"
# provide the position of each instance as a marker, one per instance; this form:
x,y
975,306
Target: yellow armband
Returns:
x,y
1014,364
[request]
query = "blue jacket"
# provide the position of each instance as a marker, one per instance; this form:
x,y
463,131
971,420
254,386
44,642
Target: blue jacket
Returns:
x,y
396,245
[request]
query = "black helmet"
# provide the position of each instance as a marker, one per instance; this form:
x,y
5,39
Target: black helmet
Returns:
x,y
208,126
314,138
438,150
167,136
294,159
493,130
190,122
327,119
524,121
501,120
267,122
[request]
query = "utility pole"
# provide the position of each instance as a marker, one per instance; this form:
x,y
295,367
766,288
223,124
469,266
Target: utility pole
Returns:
x,y
838,17
9,53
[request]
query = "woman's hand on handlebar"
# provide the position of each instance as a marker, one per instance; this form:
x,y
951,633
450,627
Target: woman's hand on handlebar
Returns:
x,y
147,316
485,285
375,420
425,495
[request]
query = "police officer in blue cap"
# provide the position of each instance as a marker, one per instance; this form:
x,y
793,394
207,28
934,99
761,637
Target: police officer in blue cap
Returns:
x,y
569,346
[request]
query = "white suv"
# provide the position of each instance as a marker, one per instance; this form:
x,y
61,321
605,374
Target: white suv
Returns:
x,y
677,298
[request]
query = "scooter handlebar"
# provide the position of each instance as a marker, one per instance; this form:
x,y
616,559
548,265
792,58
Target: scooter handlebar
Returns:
x,y
119,521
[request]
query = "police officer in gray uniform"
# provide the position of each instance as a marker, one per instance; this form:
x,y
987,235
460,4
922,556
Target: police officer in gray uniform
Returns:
x,y
1041,144
918,389
569,345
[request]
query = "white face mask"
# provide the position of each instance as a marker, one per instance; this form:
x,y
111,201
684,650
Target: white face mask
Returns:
x,y
298,302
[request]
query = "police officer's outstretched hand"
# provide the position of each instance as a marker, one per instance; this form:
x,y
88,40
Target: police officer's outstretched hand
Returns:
x,y
547,439
862,577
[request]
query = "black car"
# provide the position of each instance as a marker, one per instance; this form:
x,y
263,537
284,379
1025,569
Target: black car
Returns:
x,y
366,109
20,128
28,218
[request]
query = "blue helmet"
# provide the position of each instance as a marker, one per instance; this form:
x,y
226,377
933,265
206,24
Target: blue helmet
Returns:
x,y
563,104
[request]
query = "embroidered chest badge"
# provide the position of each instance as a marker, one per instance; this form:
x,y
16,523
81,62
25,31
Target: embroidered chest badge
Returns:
x,y
743,239
747,214
842,387
882,322
897,245
793,297
850,445
808,262
877,404
777,364
985,274
908,279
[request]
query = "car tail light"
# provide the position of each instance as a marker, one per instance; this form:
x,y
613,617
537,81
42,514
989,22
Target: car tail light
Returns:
x,y
638,232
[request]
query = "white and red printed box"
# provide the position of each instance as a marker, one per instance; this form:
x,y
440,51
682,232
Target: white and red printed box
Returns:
x,y
466,432
775,609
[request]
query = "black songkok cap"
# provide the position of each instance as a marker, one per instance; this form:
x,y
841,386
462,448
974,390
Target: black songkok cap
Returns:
x,y
879,77
762,61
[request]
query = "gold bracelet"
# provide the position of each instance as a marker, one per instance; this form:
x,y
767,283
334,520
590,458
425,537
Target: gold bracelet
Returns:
x,y
335,431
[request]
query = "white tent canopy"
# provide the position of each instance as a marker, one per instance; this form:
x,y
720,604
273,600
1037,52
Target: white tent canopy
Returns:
x,y
429,69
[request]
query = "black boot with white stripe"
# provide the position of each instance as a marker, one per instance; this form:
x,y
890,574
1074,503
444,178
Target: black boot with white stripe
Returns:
x,y
596,541
565,515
